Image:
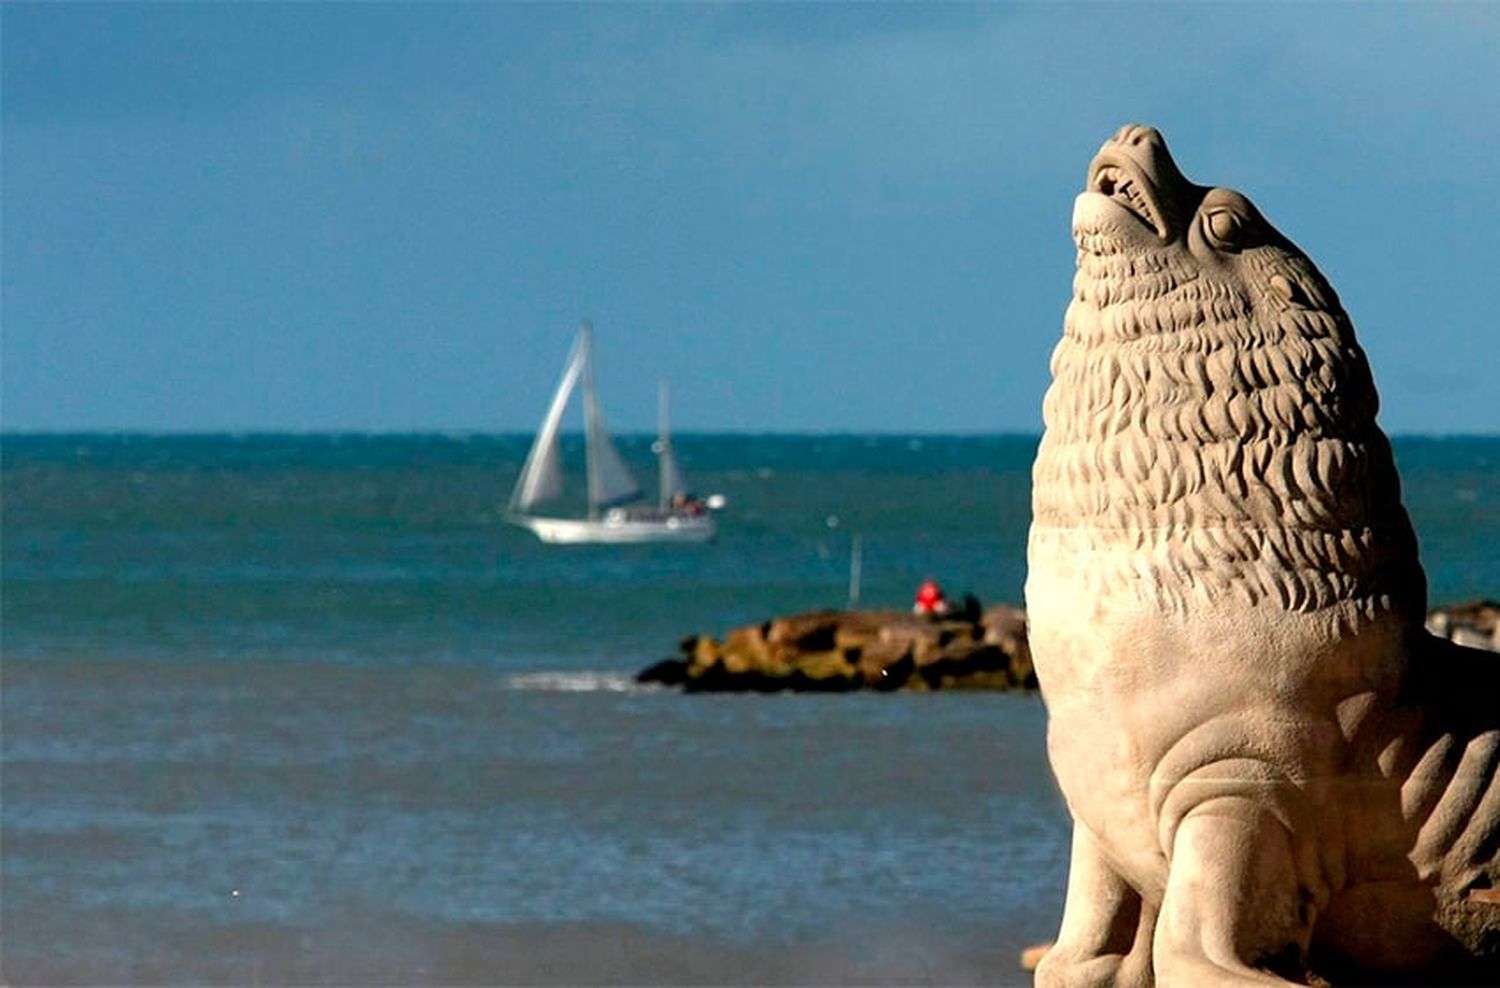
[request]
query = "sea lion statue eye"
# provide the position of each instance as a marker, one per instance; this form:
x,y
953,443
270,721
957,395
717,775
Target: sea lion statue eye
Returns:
x,y
1227,222
1224,228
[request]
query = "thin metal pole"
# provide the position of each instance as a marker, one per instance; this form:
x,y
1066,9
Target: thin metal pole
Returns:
x,y
856,561
664,446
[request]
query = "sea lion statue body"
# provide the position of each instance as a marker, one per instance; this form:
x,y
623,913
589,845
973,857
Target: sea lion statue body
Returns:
x,y
1276,776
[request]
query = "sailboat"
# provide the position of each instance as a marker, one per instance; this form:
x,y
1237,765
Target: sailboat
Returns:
x,y
615,515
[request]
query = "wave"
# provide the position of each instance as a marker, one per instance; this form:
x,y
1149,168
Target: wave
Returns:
x,y
577,682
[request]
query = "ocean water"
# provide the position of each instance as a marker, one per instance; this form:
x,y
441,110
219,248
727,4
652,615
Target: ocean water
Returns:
x,y
304,710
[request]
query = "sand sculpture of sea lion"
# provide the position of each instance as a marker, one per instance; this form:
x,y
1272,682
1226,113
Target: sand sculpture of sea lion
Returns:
x,y
1275,775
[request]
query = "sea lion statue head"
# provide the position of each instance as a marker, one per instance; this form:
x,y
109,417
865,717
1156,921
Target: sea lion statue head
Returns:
x,y
1208,380
1137,203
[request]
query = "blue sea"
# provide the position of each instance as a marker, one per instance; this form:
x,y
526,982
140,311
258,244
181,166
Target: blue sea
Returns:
x,y
305,710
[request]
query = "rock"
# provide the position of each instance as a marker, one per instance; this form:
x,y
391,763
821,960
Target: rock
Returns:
x,y
813,632
667,672
837,651
968,665
886,663
1005,627
746,650
1032,956
1473,623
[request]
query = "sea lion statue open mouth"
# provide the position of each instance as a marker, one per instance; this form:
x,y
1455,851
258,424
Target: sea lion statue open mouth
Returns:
x,y
1276,776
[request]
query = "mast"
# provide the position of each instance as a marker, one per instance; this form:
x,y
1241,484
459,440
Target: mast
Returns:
x,y
670,477
590,418
610,480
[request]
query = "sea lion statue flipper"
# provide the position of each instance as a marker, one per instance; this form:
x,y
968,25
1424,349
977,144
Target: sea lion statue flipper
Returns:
x,y
1233,911
1276,775
1111,937
1107,928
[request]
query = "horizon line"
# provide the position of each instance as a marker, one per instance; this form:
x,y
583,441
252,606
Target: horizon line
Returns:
x,y
836,433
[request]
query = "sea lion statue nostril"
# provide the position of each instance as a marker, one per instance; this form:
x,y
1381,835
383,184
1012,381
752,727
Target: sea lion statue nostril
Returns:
x,y
1275,774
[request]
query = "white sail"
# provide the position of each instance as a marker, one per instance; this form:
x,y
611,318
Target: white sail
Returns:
x,y
610,480
541,477
670,476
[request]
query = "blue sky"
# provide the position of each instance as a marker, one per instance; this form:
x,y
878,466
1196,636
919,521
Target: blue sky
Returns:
x,y
811,218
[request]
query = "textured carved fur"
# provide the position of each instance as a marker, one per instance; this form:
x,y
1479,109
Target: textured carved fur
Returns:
x,y
1272,769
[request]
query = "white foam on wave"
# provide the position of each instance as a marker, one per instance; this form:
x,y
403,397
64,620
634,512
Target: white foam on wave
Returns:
x,y
576,682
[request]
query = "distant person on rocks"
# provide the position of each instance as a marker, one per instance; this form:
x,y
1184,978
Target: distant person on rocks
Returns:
x,y
971,610
930,600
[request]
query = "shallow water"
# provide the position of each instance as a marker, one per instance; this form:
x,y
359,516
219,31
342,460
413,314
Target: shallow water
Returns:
x,y
470,826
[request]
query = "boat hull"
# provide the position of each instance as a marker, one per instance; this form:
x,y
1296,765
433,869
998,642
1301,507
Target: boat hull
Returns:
x,y
619,531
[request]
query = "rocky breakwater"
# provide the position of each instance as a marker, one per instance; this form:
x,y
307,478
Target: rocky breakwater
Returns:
x,y
842,651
